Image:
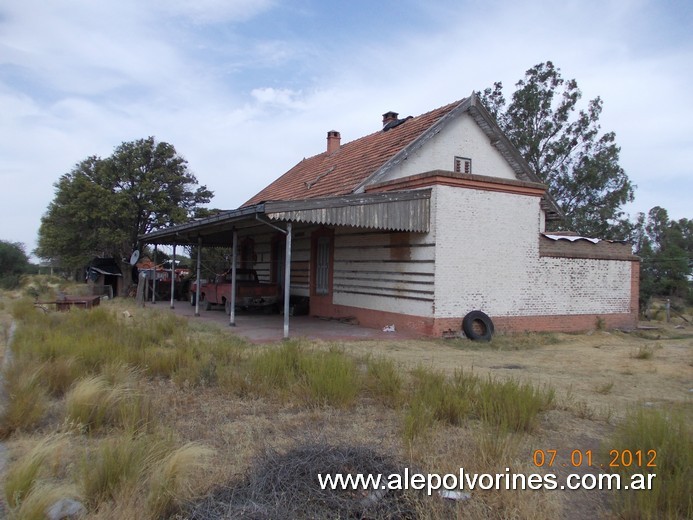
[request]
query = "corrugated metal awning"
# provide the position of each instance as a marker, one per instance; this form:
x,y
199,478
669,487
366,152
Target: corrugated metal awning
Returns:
x,y
394,211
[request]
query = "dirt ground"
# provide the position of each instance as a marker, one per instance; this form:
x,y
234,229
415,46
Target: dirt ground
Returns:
x,y
600,369
597,377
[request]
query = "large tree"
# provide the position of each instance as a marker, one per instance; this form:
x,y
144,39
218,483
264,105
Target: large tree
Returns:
x,y
565,148
102,205
13,263
666,249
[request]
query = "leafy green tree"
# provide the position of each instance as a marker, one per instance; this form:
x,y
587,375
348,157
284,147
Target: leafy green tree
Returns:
x,y
565,149
13,263
103,205
666,249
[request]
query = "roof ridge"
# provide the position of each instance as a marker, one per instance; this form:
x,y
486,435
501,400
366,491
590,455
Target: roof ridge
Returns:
x,y
455,103
340,172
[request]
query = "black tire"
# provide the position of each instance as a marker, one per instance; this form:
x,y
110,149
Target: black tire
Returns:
x,y
477,326
192,297
208,306
227,307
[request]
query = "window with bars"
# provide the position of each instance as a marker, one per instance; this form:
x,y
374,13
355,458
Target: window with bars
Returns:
x,y
463,165
322,266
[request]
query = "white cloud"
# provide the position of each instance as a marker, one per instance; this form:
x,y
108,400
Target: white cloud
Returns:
x,y
244,95
214,11
281,97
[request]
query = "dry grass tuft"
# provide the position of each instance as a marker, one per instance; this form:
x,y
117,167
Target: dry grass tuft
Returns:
x,y
645,352
26,401
93,403
40,498
172,480
22,476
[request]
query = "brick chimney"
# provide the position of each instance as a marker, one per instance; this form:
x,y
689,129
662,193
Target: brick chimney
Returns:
x,y
389,117
333,140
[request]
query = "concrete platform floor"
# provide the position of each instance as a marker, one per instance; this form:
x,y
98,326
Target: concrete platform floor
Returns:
x,y
259,327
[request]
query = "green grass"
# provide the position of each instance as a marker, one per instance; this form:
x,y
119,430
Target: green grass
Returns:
x,y
93,403
275,369
94,363
26,401
316,377
329,378
118,467
511,405
504,405
671,437
384,381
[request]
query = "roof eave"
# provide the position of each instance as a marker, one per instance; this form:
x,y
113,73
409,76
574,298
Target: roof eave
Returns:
x,y
180,234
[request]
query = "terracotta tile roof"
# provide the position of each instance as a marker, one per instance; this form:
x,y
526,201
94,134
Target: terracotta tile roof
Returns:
x,y
339,173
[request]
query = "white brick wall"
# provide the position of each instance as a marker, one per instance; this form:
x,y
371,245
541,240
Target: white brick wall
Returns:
x,y
487,258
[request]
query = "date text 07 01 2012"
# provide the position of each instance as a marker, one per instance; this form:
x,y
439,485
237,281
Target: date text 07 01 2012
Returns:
x,y
617,459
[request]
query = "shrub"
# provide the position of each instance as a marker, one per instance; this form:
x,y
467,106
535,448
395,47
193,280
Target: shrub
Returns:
x,y
42,496
329,378
172,480
59,374
25,310
605,388
437,398
667,434
275,369
26,401
645,352
22,476
383,381
117,466
93,403
418,419
510,405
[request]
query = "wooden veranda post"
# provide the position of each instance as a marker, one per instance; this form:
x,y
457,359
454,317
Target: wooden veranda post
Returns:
x,y
199,272
153,271
234,250
173,276
287,280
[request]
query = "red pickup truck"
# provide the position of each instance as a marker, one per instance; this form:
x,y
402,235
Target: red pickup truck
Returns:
x,y
251,292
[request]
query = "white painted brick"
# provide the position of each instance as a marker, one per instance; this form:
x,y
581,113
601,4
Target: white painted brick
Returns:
x,y
487,258
462,138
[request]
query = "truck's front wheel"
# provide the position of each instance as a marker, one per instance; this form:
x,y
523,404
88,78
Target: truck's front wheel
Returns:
x,y
192,297
227,307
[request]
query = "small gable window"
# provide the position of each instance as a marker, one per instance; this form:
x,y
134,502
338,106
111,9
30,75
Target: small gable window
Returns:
x,y
463,165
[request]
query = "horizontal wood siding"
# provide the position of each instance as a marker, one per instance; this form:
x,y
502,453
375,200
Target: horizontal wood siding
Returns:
x,y
384,269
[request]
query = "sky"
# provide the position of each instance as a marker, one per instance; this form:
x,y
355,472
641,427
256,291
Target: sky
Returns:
x,y
244,89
